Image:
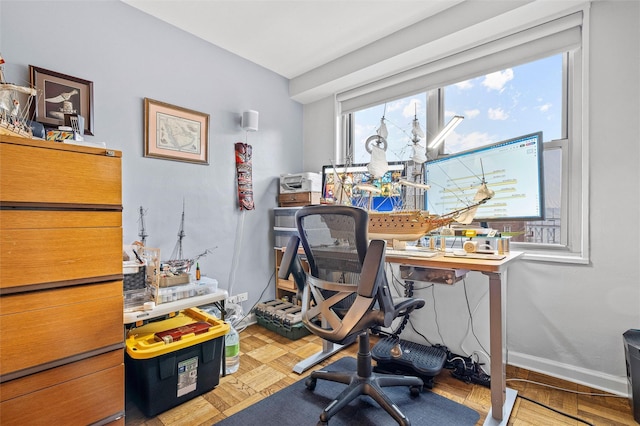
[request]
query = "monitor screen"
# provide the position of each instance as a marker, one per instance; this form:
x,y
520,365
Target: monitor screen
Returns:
x,y
340,184
512,168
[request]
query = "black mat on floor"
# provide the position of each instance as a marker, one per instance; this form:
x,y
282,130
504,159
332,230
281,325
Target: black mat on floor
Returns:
x,y
298,406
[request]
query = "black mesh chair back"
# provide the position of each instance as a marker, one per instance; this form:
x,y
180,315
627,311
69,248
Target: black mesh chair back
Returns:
x,y
345,294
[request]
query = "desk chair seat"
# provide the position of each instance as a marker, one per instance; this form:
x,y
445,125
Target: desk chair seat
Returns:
x,y
344,295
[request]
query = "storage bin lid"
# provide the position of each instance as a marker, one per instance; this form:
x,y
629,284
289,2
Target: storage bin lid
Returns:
x,y
142,344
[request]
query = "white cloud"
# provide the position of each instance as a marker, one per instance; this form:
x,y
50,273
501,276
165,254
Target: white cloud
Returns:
x,y
464,85
545,107
497,114
456,142
392,106
410,110
471,113
448,114
497,80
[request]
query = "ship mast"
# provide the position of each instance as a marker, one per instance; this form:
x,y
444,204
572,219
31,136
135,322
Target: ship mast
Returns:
x,y
177,250
142,233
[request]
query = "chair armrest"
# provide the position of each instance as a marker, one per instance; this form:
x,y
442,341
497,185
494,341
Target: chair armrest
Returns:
x,y
405,305
372,268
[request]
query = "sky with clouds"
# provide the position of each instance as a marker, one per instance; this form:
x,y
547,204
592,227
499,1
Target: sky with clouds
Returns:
x,y
498,106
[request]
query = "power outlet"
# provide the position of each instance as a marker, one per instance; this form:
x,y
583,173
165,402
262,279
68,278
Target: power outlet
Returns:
x,y
238,298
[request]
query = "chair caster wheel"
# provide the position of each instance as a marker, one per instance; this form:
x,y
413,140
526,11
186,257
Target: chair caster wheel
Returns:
x,y
415,390
311,384
321,423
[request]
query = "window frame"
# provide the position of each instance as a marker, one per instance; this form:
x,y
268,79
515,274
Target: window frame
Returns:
x,y
574,246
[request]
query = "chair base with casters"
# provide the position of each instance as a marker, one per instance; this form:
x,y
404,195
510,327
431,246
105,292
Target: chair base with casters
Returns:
x,y
364,381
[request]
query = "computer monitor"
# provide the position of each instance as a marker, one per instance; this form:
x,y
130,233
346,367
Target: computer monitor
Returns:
x,y
512,168
340,185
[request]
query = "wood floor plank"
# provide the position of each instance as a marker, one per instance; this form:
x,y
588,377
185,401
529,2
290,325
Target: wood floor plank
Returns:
x,y
266,366
191,413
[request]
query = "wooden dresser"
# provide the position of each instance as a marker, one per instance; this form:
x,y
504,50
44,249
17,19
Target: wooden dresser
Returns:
x,y
61,333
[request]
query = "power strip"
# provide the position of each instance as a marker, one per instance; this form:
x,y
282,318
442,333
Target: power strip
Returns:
x,y
465,369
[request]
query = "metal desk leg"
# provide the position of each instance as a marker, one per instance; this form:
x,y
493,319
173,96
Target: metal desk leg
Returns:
x,y
502,399
328,349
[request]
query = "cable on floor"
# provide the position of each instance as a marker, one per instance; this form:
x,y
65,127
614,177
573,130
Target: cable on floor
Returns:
x,y
571,416
566,390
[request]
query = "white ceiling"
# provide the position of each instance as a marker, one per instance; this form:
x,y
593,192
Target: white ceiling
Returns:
x,y
291,37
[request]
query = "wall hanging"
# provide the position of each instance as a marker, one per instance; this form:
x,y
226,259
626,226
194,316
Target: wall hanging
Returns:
x,y
60,95
175,133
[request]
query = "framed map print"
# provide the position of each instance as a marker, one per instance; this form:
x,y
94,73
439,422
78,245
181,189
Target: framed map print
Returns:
x,y
175,133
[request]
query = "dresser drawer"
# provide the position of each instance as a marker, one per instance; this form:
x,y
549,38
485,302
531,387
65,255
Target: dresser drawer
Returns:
x,y
83,392
44,174
43,329
44,247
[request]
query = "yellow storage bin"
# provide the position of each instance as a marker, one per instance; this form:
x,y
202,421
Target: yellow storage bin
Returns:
x,y
142,343
161,375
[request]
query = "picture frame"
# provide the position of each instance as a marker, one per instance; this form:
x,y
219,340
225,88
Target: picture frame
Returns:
x,y
175,133
60,94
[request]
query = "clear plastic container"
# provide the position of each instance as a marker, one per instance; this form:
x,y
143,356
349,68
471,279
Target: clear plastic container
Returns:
x,y
177,292
232,350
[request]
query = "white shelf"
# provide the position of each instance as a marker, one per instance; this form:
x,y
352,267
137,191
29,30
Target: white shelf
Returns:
x,y
178,305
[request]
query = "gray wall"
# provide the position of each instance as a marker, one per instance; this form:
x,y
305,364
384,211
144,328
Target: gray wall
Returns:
x,y
129,56
562,319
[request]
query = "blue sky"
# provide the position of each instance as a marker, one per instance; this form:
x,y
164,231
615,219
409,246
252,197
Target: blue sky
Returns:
x,y
498,106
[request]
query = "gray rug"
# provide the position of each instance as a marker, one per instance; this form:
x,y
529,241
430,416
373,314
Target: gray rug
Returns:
x,y
298,406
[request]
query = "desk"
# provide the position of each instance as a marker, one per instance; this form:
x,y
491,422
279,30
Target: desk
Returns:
x,y
502,399
178,305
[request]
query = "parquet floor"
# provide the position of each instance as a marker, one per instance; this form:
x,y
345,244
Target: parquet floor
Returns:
x,y
267,360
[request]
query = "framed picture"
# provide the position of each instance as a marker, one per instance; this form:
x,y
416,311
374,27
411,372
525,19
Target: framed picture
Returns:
x,y
175,133
60,94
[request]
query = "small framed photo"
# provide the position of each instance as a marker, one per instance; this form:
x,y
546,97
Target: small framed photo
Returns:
x,y
175,133
60,94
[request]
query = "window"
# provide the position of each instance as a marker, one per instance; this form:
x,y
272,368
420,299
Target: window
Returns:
x,y
530,91
398,116
508,103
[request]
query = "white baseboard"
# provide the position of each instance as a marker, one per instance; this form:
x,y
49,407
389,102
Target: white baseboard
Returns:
x,y
595,379
250,319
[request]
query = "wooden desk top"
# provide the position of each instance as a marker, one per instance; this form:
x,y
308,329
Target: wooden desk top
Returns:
x,y
458,262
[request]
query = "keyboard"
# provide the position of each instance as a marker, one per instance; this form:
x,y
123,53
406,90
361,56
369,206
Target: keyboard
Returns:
x,y
411,253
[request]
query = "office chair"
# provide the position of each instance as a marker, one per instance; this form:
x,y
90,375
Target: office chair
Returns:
x,y
344,295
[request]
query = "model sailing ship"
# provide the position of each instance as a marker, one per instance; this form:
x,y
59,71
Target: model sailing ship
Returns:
x,y
404,223
13,115
178,264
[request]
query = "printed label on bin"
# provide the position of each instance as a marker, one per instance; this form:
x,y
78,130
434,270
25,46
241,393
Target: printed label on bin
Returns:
x,y
187,376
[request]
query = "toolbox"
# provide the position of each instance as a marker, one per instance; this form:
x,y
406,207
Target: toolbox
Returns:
x,y
281,317
172,361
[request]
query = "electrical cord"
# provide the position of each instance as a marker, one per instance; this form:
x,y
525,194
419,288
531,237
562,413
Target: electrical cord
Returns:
x,y
565,389
466,296
236,252
435,313
467,369
420,334
254,305
571,416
